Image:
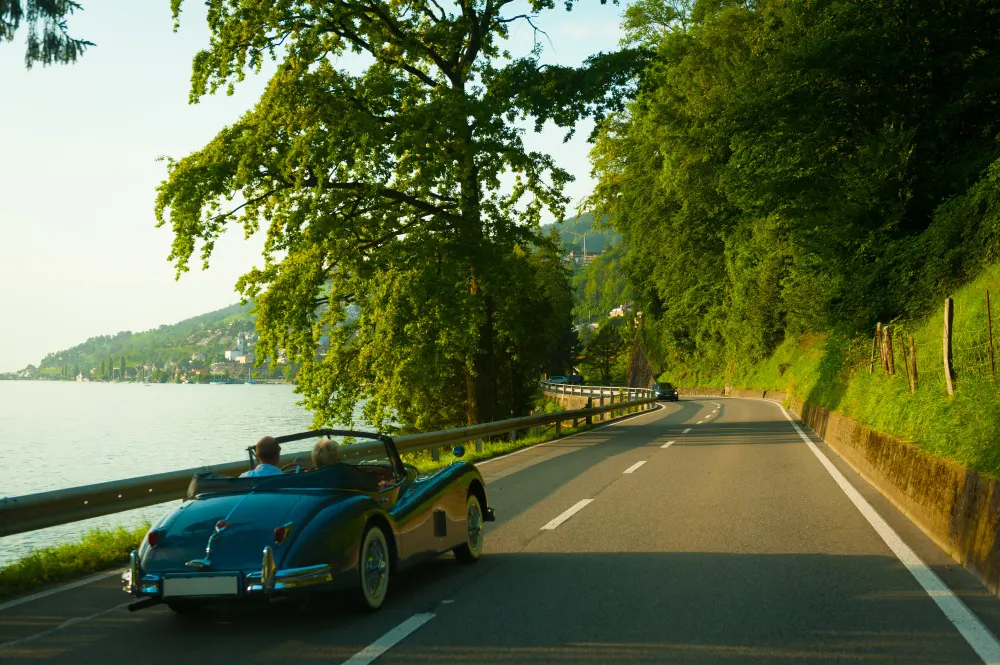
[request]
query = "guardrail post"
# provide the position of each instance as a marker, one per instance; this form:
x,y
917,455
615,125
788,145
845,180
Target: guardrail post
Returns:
x,y
513,435
436,454
479,445
590,418
601,415
558,428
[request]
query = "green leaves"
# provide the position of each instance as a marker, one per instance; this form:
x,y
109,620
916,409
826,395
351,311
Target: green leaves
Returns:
x,y
48,41
800,166
381,190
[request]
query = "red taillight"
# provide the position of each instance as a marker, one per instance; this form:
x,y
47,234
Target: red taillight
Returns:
x,y
153,537
282,532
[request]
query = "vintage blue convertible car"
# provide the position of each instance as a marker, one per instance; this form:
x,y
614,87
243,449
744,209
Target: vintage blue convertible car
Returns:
x,y
346,526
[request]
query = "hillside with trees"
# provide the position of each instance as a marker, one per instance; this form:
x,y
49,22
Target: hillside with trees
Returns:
x,y
194,343
792,174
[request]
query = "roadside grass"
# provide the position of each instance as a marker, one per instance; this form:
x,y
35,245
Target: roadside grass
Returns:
x,y
98,550
101,549
833,370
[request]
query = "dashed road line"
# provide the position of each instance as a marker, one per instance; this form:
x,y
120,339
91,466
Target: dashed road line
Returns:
x,y
668,444
686,431
389,640
577,507
968,624
635,466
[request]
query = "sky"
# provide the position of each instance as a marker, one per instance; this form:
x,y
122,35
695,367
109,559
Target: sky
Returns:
x,y
79,145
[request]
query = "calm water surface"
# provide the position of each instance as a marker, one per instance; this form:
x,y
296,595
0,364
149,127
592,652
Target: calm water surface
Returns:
x,y
56,434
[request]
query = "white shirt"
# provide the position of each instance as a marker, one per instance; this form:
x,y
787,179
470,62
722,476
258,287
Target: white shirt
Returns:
x,y
262,470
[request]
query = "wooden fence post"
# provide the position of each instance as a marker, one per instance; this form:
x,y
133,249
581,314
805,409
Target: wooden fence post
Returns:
x,y
881,345
913,366
989,329
871,366
906,362
590,405
890,358
949,372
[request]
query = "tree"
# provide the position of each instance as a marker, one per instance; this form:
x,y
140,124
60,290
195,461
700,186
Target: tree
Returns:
x,y
100,372
382,192
794,167
49,41
605,348
121,371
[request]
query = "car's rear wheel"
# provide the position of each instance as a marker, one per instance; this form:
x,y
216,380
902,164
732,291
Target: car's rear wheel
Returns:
x,y
373,570
472,549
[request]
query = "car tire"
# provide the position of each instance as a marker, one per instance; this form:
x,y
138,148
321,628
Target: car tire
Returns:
x,y
373,570
472,549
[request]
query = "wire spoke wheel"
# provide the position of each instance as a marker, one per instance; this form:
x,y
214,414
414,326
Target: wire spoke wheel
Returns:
x,y
373,567
472,550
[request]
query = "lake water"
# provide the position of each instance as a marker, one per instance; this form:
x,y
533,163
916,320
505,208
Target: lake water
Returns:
x,y
56,434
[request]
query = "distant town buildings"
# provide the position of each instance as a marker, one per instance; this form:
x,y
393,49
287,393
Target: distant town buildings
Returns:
x,y
584,259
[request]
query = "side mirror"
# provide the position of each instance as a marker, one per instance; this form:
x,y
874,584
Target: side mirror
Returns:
x,y
458,450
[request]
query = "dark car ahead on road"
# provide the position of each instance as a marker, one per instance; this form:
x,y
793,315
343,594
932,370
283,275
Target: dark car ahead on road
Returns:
x,y
350,525
574,380
665,391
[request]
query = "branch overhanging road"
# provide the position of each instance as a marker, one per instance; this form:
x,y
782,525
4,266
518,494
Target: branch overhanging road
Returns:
x,y
707,532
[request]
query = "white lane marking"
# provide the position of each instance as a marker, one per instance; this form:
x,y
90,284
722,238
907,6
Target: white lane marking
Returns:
x,y
66,587
634,467
717,405
577,507
389,640
668,444
686,431
65,624
968,624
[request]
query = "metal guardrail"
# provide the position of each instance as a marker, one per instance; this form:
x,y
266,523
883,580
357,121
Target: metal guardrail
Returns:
x,y
44,509
561,388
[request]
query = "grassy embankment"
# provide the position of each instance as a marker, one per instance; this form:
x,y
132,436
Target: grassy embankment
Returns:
x,y
102,549
832,370
97,550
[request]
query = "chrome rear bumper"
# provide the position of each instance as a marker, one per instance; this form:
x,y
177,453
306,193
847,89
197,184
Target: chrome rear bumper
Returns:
x,y
271,580
267,582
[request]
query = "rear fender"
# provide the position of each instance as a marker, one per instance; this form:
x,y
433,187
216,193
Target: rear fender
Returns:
x,y
333,535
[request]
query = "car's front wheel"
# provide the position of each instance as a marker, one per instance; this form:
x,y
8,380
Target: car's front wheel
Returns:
x,y
373,569
472,549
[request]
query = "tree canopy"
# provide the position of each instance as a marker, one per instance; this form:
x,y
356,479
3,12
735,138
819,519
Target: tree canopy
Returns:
x,y
49,41
404,188
802,166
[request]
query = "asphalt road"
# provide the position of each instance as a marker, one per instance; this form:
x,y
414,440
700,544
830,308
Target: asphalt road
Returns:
x,y
732,544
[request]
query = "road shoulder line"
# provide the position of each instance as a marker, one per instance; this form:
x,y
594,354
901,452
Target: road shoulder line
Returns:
x,y
977,635
59,589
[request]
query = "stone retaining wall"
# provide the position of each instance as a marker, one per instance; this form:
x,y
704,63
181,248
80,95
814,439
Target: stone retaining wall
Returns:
x,y
570,402
955,506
